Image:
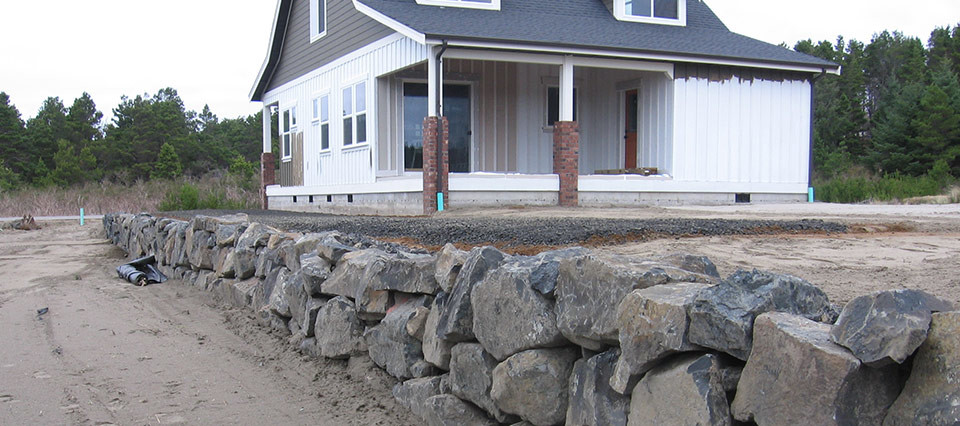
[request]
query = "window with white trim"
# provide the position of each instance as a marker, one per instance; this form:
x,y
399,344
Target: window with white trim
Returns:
x,y
354,101
318,19
668,12
321,120
288,126
471,4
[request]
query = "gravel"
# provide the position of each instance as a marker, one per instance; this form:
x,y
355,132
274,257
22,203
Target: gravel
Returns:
x,y
518,232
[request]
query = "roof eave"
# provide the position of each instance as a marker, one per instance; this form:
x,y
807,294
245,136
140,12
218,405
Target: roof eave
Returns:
x,y
280,20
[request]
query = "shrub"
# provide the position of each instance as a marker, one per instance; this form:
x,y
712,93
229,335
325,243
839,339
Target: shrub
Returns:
x,y
184,197
887,188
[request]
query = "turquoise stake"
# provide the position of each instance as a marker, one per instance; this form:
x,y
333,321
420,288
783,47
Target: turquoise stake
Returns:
x,y
81,216
439,201
810,194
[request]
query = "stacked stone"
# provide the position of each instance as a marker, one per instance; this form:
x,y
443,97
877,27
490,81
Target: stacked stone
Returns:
x,y
573,336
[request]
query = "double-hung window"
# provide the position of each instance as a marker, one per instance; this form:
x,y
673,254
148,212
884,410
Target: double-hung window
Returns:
x,y
321,120
354,102
288,127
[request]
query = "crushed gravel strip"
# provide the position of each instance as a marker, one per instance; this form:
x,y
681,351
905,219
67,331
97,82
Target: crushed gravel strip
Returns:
x,y
513,232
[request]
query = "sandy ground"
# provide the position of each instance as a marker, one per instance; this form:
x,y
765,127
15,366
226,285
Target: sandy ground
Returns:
x,y
107,352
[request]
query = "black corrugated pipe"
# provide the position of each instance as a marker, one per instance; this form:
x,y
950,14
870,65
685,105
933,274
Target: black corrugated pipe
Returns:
x,y
813,92
439,106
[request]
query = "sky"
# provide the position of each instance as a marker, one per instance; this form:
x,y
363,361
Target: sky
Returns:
x,y
211,50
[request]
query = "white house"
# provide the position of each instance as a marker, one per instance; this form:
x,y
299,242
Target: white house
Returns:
x,y
543,102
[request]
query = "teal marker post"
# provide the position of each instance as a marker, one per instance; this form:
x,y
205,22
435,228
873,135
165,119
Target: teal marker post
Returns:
x,y
810,194
439,201
81,216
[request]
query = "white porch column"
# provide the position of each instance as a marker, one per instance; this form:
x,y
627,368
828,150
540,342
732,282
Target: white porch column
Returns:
x,y
432,82
267,131
566,89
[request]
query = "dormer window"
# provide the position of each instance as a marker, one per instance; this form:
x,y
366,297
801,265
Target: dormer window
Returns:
x,y
470,4
666,12
318,19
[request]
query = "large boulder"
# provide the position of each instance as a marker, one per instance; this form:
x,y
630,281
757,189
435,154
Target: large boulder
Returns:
x,y
722,316
338,330
796,375
279,303
310,313
413,393
256,235
509,315
332,247
395,350
684,390
456,318
244,262
652,324
886,326
263,296
296,298
435,349
545,268
932,393
592,401
449,261
471,377
534,384
448,410
588,286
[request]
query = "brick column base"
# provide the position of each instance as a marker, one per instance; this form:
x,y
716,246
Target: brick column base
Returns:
x,y
566,160
268,176
435,162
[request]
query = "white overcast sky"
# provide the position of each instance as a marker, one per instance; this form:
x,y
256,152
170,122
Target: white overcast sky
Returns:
x,y
211,50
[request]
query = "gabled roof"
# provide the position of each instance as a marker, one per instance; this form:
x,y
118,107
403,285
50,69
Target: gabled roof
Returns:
x,y
589,24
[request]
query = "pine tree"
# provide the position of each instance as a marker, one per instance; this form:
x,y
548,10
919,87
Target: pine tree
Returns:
x,y
168,163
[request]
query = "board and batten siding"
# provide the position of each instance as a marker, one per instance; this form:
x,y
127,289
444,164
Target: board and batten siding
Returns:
x,y
347,30
740,125
344,165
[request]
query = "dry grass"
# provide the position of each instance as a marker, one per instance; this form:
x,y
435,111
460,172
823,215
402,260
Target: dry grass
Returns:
x,y
951,196
102,198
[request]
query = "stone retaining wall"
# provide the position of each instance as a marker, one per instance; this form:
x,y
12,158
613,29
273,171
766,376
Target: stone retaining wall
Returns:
x,y
573,336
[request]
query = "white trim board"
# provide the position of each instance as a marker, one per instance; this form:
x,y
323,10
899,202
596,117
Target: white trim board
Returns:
x,y
390,22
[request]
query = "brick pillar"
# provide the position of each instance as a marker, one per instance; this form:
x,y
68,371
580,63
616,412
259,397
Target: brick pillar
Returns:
x,y
268,176
434,163
566,160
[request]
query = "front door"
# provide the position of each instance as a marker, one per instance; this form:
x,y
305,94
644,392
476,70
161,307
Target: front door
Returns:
x,y
456,107
630,130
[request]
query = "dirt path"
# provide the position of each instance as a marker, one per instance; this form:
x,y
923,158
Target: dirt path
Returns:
x,y
107,352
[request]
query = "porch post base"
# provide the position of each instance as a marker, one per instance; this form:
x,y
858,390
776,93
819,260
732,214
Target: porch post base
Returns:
x,y
566,160
436,162
268,176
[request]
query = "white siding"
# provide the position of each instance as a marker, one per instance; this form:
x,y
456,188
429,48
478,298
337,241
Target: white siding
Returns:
x,y
739,127
354,164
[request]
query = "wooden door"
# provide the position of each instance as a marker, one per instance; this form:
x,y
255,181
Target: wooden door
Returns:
x,y
630,130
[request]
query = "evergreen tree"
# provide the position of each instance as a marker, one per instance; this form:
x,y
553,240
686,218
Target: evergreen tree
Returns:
x,y
42,134
14,156
937,121
168,163
72,168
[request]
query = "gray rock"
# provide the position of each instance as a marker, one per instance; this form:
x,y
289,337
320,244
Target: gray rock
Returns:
x,y
268,259
284,295
592,401
244,262
350,279
242,292
389,344
589,286
417,323
338,330
688,262
256,235
200,251
227,234
407,273
652,324
534,384
225,265
471,377
456,318
309,321
545,268
288,253
296,298
448,410
685,390
332,248
886,326
796,375
309,347
932,394
436,350
413,393
315,270
449,261
722,316
510,316
264,295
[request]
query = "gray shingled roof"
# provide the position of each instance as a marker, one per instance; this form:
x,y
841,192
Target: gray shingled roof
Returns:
x,y
588,23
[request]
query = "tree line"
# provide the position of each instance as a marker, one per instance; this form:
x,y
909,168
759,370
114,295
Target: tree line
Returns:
x,y
149,137
893,110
